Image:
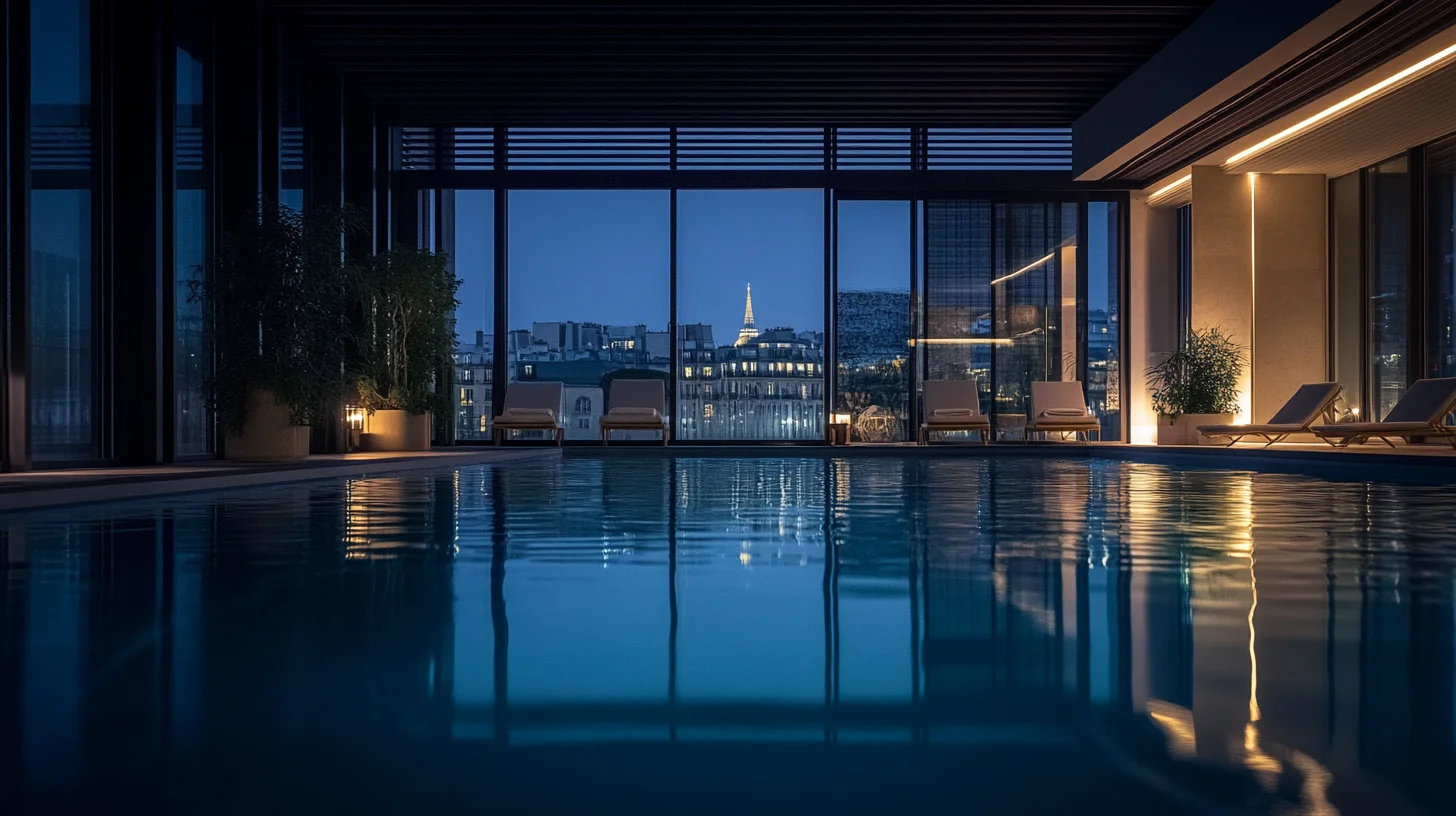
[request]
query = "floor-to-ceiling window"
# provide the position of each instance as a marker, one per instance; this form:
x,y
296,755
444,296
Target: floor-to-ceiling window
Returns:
x,y
750,315
62,388
589,293
191,166
958,330
1441,262
872,319
1001,301
467,220
1104,316
1035,294
1388,270
1347,265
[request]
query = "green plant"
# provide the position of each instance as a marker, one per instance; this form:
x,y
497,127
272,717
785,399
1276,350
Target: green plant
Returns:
x,y
406,336
275,293
1202,377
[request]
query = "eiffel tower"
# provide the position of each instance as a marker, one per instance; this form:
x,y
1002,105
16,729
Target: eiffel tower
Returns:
x,y
749,331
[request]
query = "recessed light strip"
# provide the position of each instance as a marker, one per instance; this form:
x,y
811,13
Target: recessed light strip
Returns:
x,y
1344,104
1175,184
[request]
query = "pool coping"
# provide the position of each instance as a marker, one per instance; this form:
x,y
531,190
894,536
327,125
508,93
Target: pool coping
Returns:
x,y
36,491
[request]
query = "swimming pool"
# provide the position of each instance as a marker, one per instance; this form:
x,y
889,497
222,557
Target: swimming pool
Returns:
x,y
715,634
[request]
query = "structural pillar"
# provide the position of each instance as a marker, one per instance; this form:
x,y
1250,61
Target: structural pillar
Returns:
x,y
1259,274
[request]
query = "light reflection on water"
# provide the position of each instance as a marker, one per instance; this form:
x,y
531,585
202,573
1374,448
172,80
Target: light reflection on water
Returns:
x,y
1124,637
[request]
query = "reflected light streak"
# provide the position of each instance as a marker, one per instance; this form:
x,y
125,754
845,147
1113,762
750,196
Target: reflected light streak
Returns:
x,y
1176,723
962,341
1023,270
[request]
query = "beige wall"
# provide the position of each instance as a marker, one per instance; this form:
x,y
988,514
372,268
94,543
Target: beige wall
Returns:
x,y
1151,312
1223,263
1259,273
1260,266
1290,285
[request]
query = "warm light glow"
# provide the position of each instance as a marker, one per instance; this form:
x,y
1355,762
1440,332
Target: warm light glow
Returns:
x,y
1342,105
1246,394
1144,435
745,559
962,341
1023,270
839,419
1175,184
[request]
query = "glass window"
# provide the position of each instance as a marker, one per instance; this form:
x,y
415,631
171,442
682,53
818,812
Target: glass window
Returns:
x,y
1347,263
589,294
872,319
63,420
957,342
1104,325
468,221
1035,300
1441,161
191,166
751,286
1387,249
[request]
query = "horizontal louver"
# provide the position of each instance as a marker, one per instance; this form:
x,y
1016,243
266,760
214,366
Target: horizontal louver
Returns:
x,y
60,147
290,149
999,149
565,149
190,149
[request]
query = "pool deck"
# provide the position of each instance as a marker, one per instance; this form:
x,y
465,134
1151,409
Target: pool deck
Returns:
x,y
40,489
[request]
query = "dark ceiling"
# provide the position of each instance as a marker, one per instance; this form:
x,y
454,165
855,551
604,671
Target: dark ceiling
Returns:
x,y
555,64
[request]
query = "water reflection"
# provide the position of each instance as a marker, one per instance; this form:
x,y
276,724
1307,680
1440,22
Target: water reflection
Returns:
x,y
1123,636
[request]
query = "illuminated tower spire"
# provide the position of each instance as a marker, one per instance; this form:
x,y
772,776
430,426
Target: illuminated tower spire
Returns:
x,y
749,331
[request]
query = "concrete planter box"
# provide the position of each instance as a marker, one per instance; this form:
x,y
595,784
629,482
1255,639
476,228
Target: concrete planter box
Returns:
x,y
395,431
267,436
1184,429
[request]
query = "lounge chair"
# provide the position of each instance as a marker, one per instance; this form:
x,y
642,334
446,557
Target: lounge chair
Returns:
x,y
635,405
1060,407
1421,412
530,406
1308,404
953,405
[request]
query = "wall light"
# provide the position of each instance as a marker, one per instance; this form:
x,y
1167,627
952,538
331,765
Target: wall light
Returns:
x,y
1342,105
839,419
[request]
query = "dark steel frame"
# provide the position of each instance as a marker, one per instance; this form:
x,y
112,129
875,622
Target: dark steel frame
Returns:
x,y
914,186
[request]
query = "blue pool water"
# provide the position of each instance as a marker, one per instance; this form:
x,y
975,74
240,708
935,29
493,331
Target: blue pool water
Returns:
x,y
724,634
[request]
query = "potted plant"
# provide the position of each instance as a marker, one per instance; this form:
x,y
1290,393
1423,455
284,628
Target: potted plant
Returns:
x,y
275,294
1197,385
406,337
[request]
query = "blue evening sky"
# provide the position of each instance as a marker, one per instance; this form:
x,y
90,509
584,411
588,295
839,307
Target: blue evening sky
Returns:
x,y
604,255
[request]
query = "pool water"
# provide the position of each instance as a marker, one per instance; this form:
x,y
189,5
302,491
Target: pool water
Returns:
x,y
723,634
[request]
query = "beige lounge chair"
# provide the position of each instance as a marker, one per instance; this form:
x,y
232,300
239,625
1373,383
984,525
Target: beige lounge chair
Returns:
x,y
1309,403
1421,412
953,405
635,405
1061,408
530,406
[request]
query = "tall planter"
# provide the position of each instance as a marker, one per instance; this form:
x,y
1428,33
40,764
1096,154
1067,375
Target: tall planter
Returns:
x,y
1196,385
268,433
406,338
275,296
395,430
